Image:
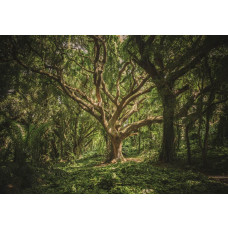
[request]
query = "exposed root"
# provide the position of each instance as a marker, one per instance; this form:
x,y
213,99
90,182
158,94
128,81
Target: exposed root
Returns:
x,y
122,160
135,159
115,160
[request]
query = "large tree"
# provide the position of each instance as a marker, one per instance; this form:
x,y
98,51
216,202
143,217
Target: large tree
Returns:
x,y
168,60
94,72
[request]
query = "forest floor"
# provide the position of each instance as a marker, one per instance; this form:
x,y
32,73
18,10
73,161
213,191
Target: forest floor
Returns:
x,y
89,175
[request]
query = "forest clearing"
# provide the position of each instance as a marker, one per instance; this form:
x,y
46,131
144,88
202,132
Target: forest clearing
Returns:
x,y
89,176
114,114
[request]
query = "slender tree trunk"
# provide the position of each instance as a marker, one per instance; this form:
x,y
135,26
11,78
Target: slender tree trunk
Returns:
x,y
219,140
75,149
200,108
199,132
205,143
188,144
139,149
207,128
168,147
54,150
178,137
151,138
61,149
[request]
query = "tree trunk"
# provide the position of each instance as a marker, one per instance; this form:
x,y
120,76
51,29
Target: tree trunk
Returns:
x,y
139,148
188,144
168,147
116,152
200,109
209,113
109,149
219,140
178,137
54,153
61,149
205,143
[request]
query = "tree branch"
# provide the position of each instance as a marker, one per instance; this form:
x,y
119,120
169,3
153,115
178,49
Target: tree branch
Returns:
x,y
126,131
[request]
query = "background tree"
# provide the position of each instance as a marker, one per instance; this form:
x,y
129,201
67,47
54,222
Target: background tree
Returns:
x,y
167,59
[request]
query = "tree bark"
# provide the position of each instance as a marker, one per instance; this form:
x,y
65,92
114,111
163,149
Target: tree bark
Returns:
x,y
61,149
178,137
188,144
77,150
200,124
207,128
205,143
219,140
116,152
139,148
54,153
168,147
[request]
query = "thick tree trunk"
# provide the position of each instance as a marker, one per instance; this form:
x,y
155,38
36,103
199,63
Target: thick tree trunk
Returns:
x,y
168,147
115,151
109,149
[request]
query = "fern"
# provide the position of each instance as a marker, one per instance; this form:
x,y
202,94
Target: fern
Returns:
x,y
27,141
35,139
18,136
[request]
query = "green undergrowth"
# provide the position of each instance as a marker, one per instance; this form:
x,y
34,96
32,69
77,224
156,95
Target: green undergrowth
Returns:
x,y
88,176
217,161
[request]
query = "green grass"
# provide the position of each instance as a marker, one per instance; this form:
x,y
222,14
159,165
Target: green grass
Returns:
x,y
87,176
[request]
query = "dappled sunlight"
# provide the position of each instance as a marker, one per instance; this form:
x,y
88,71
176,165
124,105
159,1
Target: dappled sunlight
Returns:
x,y
114,114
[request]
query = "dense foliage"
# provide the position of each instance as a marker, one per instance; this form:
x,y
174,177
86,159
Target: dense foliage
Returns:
x,y
113,114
